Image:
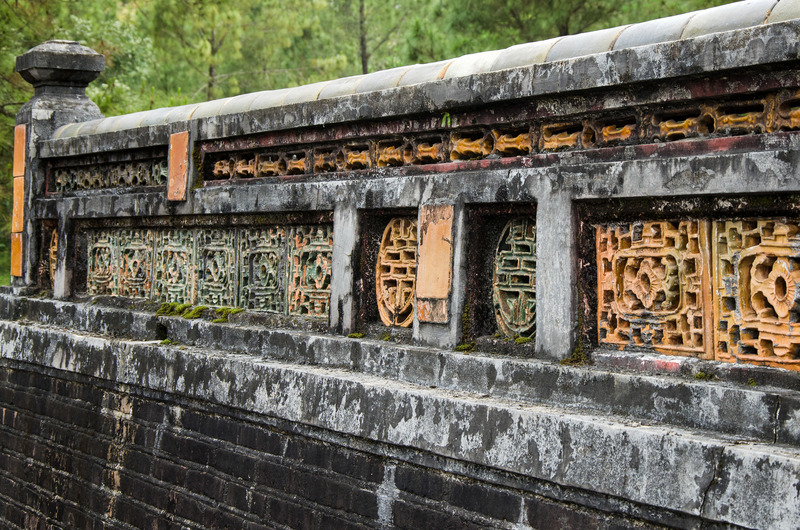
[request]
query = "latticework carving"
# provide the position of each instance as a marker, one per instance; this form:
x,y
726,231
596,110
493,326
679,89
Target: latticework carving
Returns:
x,y
175,266
134,267
216,267
52,255
310,254
514,283
100,269
653,285
262,265
276,269
396,272
118,175
756,294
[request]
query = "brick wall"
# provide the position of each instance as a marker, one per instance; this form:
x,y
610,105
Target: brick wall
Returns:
x,y
77,453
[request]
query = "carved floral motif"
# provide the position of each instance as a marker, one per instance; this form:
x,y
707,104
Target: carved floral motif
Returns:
x,y
653,285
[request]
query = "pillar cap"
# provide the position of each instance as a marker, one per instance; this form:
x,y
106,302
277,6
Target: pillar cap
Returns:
x,y
60,63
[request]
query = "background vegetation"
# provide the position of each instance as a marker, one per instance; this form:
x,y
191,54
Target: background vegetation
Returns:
x,y
170,52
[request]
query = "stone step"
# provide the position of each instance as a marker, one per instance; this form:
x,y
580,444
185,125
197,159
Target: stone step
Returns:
x,y
721,478
763,413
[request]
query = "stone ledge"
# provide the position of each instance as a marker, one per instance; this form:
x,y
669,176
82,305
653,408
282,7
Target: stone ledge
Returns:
x,y
659,170
692,473
715,406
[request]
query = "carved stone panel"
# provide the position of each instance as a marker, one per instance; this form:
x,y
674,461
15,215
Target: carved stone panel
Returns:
x,y
654,286
309,286
101,273
216,268
135,262
396,272
514,282
756,291
174,268
262,263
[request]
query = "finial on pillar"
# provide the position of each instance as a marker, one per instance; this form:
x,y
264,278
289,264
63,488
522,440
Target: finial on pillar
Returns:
x,y
60,63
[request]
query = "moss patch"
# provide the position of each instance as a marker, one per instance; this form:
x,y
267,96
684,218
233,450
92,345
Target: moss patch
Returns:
x,y
465,347
172,309
355,336
197,312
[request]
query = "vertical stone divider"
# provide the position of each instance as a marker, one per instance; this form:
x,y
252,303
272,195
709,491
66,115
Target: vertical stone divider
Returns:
x,y
441,274
346,234
556,276
59,71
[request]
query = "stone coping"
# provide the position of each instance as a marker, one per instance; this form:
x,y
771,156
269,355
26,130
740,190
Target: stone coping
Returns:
x,y
618,383
687,472
733,36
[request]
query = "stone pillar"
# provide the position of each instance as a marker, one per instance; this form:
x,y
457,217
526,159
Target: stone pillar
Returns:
x,y
346,232
556,291
59,71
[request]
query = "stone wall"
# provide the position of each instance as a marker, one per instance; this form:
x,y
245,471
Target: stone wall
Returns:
x,y
627,197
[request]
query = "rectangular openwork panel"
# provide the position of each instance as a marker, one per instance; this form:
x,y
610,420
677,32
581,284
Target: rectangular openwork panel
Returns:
x,y
310,253
757,271
654,286
262,269
277,269
175,266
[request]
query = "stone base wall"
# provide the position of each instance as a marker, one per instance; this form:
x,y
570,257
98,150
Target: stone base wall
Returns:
x,y
77,452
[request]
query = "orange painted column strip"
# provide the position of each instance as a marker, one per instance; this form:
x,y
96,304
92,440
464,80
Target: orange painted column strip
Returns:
x,y
18,213
434,275
178,166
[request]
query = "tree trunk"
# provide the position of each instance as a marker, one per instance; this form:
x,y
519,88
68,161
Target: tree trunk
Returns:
x,y
362,29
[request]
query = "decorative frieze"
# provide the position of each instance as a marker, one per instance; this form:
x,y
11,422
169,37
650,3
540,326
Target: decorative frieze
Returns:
x,y
749,114
285,270
514,281
152,172
396,272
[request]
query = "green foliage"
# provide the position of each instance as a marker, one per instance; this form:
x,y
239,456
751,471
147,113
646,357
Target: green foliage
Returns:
x,y
703,376
355,335
465,347
168,342
522,340
752,382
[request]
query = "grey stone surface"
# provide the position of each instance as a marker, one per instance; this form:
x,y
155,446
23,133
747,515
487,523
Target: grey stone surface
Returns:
x,y
343,263
652,31
728,17
693,473
522,55
341,87
784,10
381,80
424,73
60,63
584,44
476,63
730,406
269,99
303,94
